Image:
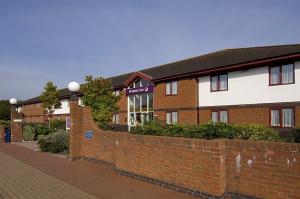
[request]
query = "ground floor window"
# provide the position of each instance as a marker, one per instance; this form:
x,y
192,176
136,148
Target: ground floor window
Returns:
x,y
116,118
219,116
172,117
282,117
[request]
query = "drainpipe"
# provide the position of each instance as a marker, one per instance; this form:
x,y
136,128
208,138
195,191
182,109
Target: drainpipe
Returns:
x,y
197,103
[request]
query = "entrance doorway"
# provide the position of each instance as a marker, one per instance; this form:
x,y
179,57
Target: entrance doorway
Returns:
x,y
140,102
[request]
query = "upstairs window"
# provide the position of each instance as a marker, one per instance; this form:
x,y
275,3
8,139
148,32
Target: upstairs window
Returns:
x,y
117,92
284,74
171,88
172,117
219,116
219,82
282,117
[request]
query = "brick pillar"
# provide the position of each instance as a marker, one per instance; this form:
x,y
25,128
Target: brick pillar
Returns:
x,y
1,133
75,128
16,125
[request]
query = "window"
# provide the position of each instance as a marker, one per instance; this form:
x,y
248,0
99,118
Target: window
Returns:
x,y
116,119
219,116
219,82
116,92
282,117
280,75
172,117
171,88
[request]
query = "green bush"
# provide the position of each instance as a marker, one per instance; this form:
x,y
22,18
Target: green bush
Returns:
x,y
41,129
296,135
209,130
58,124
28,133
257,132
5,123
55,143
291,135
153,127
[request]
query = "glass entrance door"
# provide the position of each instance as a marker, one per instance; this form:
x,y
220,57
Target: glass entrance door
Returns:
x,y
140,106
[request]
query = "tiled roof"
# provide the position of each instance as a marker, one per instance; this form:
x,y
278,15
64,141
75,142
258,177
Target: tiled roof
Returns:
x,y
218,59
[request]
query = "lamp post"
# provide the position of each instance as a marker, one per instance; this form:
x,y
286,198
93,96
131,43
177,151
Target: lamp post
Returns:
x,y
73,122
13,101
74,87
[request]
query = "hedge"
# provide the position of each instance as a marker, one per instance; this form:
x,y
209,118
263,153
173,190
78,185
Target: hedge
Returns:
x,y
209,130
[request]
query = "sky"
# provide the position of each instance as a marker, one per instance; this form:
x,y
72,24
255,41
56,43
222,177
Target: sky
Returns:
x,y
65,40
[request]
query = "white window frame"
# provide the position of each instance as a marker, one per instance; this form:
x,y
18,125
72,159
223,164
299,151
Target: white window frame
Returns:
x,y
172,88
170,117
219,115
281,117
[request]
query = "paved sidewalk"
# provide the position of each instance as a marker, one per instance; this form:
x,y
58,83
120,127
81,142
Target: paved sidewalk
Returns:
x,y
94,179
28,144
18,180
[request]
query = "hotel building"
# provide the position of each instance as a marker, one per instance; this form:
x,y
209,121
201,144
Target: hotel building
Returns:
x,y
258,85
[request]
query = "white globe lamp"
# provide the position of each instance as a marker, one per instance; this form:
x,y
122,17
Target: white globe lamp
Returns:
x,y
13,101
74,87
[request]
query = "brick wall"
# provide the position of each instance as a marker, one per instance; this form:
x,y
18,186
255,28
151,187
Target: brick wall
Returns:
x,y
200,164
190,163
16,125
211,167
263,169
1,133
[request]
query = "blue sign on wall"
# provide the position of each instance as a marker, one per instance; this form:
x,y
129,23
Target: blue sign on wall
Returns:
x,y
88,134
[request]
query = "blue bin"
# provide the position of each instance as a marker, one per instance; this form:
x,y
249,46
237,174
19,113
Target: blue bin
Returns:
x,y
7,135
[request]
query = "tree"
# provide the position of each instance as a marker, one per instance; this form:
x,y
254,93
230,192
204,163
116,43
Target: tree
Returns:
x,y
50,100
98,94
4,110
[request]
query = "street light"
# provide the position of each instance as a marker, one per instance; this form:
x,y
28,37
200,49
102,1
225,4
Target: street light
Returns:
x,y
73,87
13,101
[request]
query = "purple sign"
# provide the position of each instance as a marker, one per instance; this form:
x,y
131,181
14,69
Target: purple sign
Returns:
x,y
133,91
68,123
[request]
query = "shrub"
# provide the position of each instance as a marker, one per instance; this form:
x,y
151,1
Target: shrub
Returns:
x,y
209,130
5,123
58,124
258,132
296,135
152,127
29,133
291,135
41,129
55,143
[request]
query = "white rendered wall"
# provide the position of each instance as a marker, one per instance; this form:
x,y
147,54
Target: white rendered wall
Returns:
x,y
249,87
65,109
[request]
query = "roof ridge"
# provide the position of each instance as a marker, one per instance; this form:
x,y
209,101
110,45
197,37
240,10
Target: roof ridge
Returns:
x,y
266,46
183,60
203,55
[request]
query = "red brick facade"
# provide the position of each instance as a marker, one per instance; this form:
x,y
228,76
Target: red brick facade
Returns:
x,y
249,114
185,102
210,167
34,113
